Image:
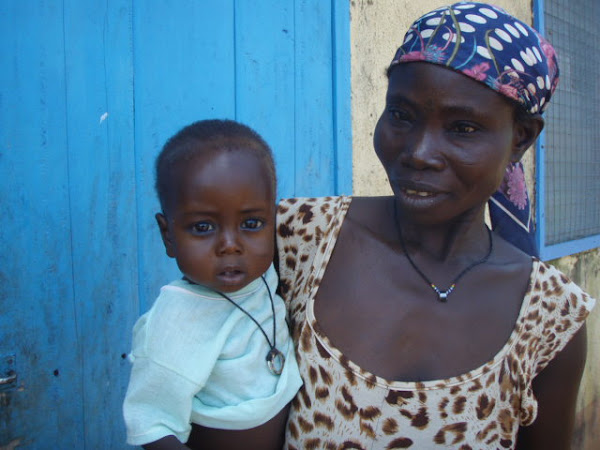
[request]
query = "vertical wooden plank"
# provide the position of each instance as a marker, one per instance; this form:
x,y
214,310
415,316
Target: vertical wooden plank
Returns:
x,y
184,71
342,93
99,75
314,98
265,76
37,320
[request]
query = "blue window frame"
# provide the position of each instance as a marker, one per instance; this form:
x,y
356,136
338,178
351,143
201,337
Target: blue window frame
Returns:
x,y
567,156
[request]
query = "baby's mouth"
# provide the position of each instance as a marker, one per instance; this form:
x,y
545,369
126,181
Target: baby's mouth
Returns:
x,y
231,275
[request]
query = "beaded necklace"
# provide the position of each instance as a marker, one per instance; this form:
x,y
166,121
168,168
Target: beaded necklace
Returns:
x,y
441,293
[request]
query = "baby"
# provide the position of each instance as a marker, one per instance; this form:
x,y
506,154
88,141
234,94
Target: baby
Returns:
x,y
214,349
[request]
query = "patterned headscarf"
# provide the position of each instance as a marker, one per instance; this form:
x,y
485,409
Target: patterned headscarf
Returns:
x,y
488,45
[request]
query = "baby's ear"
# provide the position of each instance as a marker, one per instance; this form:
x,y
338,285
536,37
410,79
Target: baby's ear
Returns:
x,y
526,130
163,226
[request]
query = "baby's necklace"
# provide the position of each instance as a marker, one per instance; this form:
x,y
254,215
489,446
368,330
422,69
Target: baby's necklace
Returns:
x,y
275,359
442,294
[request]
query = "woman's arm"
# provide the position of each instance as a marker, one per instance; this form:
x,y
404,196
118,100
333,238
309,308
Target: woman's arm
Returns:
x,y
166,443
556,389
268,436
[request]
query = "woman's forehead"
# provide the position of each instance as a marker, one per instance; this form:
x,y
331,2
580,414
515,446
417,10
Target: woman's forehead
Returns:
x,y
429,83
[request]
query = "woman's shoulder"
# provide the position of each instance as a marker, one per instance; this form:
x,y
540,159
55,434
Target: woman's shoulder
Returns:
x,y
310,209
554,305
313,218
299,217
556,308
307,230
557,290
310,205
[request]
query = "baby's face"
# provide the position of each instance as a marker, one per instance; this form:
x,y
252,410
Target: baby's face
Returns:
x,y
220,223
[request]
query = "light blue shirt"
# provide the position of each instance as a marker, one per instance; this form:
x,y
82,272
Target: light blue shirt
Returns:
x,y
197,358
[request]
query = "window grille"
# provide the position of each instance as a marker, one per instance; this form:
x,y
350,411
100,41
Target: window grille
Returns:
x,y
571,142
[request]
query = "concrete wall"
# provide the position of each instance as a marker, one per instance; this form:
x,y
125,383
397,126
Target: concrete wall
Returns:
x,y
584,269
377,29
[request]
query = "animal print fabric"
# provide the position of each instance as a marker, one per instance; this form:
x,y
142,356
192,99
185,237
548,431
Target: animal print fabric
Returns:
x,y
342,406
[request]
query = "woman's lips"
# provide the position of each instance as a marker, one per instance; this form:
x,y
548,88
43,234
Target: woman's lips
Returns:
x,y
419,193
419,196
415,186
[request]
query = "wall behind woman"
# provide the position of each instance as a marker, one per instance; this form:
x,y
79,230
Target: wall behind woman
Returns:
x,y
377,29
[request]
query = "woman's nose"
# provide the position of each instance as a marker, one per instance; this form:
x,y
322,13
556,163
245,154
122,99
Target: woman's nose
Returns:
x,y
424,151
229,243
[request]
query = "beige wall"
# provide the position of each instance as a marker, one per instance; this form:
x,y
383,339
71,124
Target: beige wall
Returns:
x,y
377,29
584,269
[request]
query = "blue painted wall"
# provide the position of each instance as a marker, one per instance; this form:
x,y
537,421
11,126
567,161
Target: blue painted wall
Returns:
x,y
89,92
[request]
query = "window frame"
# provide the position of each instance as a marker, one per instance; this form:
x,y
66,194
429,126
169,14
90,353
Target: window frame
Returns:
x,y
553,251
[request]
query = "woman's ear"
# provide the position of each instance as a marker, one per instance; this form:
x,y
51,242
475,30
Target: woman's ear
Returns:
x,y
163,226
527,128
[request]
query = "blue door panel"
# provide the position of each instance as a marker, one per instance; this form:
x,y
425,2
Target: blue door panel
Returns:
x,y
314,98
100,126
264,70
37,306
89,93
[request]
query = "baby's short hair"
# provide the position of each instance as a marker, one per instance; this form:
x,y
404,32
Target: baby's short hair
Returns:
x,y
206,136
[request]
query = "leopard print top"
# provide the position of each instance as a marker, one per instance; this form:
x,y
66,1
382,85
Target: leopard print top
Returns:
x,y
342,406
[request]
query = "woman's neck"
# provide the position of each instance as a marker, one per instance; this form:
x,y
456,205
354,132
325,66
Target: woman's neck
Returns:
x,y
465,238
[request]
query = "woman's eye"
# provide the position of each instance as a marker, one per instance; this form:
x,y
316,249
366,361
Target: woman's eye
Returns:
x,y
252,224
202,228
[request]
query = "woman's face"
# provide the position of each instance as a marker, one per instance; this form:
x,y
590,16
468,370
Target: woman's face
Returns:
x,y
444,140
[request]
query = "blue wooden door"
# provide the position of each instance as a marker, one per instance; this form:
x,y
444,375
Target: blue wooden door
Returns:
x,y
89,92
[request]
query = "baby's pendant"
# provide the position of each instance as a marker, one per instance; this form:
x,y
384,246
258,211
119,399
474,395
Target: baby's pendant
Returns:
x,y
275,361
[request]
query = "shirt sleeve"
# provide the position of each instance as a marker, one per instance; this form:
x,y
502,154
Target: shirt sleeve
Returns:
x,y
559,309
172,358
158,403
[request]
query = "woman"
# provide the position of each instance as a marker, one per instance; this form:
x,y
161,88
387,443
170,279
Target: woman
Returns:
x,y
415,325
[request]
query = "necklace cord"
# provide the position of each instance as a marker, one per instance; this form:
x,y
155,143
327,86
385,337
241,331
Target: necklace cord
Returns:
x,y
442,294
273,312
272,346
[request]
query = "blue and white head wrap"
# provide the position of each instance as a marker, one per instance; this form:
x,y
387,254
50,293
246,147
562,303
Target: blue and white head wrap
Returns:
x,y
487,44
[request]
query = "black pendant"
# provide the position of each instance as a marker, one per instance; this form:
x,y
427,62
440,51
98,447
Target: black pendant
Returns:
x,y
442,295
275,361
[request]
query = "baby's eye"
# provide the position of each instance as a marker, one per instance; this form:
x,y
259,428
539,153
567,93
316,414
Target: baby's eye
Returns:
x,y
202,227
464,128
252,224
398,114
